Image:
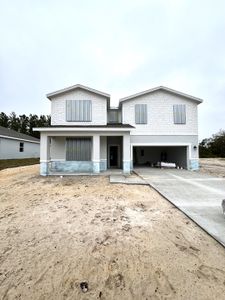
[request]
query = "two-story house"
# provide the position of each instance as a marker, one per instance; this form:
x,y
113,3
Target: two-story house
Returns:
x,y
87,135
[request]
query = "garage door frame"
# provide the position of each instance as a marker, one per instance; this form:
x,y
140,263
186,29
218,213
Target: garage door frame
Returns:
x,y
188,158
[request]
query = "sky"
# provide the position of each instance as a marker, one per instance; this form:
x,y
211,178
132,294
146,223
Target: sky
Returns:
x,y
119,47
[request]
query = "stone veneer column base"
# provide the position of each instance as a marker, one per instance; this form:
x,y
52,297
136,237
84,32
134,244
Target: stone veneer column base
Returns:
x,y
71,166
126,167
131,165
103,165
43,168
96,167
194,164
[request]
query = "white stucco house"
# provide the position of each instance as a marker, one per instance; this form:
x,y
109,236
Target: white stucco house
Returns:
x,y
15,145
87,135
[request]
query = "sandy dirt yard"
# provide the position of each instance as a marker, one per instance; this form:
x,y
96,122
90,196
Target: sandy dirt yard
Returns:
x,y
213,166
126,242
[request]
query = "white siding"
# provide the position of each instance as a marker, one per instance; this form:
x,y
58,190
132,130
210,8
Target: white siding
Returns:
x,y
160,115
99,108
9,149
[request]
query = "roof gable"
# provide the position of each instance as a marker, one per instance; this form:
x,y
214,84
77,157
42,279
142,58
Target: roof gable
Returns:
x,y
77,86
198,100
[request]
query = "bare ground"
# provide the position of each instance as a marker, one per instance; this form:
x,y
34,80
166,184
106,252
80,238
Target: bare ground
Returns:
x,y
213,166
127,242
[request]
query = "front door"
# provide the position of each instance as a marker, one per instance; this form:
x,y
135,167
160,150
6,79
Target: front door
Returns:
x,y
113,156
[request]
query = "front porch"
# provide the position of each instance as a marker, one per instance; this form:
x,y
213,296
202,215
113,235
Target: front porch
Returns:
x,y
73,153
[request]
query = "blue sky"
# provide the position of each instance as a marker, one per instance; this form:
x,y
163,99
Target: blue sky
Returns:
x,y
119,47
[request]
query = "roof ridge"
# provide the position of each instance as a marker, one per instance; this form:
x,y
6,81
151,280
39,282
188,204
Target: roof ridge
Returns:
x,y
160,88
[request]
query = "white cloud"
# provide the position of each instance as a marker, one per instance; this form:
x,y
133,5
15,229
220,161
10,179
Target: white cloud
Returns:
x,y
120,47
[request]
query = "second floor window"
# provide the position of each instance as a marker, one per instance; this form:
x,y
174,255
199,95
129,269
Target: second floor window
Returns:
x,y
179,114
78,110
141,113
113,116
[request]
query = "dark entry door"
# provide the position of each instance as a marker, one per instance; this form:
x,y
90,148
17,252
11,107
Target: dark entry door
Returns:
x,y
113,156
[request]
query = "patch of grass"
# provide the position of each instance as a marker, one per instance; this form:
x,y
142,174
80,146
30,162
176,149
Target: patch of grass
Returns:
x,y
12,163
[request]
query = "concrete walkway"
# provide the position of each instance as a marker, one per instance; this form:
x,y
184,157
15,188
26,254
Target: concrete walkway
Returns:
x,y
131,179
198,195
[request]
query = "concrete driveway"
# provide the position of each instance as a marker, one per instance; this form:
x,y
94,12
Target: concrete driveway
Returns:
x,y
198,195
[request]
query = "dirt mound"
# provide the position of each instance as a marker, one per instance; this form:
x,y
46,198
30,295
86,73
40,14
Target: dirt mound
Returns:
x,y
82,238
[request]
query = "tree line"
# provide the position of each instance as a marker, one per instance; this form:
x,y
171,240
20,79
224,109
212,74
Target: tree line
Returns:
x,y
24,123
213,146
208,147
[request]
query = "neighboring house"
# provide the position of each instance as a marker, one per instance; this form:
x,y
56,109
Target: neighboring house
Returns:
x,y
86,135
14,145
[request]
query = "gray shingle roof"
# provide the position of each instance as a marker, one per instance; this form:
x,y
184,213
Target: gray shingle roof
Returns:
x,y
14,134
74,87
109,125
198,100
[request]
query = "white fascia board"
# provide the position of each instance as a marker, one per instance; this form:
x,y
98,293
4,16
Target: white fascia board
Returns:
x,y
74,87
145,133
198,100
161,144
42,129
19,139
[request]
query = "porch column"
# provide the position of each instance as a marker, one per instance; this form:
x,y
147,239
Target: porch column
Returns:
x,y
96,153
44,154
126,153
103,153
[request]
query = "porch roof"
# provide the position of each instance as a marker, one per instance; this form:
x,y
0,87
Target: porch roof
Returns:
x,y
108,127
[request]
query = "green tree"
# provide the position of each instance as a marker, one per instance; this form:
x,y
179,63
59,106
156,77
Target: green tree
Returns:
x,y
14,121
4,120
43,121
24,123
48,118
205,148
33,122
214,146
218,144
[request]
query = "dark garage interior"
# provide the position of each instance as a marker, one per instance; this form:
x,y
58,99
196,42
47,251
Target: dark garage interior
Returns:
x,y
152,156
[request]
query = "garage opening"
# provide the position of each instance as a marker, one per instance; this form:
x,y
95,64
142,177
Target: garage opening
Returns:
x,y
153,156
